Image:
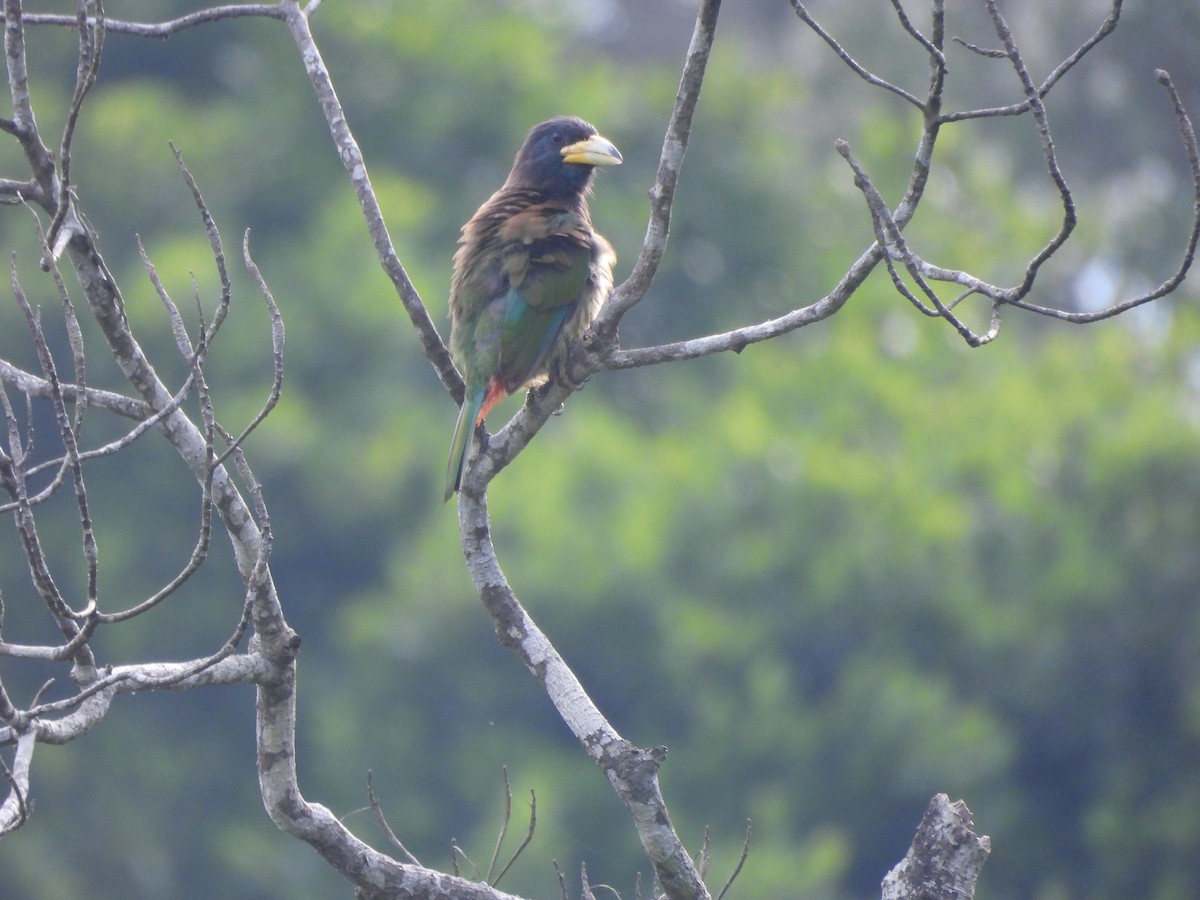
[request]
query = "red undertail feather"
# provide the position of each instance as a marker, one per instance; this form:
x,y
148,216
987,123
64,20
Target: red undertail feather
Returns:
x,y
495,393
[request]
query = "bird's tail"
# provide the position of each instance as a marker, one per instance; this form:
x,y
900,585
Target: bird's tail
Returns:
x,y
468,417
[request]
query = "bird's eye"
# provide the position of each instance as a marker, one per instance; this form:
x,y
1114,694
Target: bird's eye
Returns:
x,y
557,137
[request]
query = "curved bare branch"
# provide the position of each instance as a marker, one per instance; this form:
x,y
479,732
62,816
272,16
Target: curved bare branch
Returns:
x,y
632,772
352,159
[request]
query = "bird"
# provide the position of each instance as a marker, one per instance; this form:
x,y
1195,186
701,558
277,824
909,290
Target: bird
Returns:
x,y
530,274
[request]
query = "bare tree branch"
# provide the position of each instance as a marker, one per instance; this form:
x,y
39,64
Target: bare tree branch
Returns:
x,y
38,387
632,772
352,159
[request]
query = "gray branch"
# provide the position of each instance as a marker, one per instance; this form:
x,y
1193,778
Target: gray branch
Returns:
x,y
945,858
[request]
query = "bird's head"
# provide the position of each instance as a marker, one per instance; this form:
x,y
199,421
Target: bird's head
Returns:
x,y
559,157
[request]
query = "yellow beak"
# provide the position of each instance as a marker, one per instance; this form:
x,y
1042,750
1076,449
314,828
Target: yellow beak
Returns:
x,y
594,151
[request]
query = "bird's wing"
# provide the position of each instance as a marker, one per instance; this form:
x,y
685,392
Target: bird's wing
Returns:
x,y
547,263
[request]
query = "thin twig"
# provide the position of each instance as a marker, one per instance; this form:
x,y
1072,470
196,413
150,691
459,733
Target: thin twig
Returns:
x,y
858,69
1038,110
352,158
888,234
562,881
670,162
56,653
1106,28
503,826
383,823
91,50
170,27
525,843
737,870
214,241
148,422
1188,136
457,851
49,590
704,856
277,338
932,46
139,676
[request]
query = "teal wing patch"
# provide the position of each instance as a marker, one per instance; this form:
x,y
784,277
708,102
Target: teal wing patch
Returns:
x,y
547,270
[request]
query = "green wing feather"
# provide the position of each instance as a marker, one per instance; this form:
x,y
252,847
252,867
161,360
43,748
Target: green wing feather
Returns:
x,y
552,278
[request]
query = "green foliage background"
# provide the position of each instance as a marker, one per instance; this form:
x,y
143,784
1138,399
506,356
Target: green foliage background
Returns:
x,y
834,575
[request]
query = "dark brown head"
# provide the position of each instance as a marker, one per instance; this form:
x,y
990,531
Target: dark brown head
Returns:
x,y
559,157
